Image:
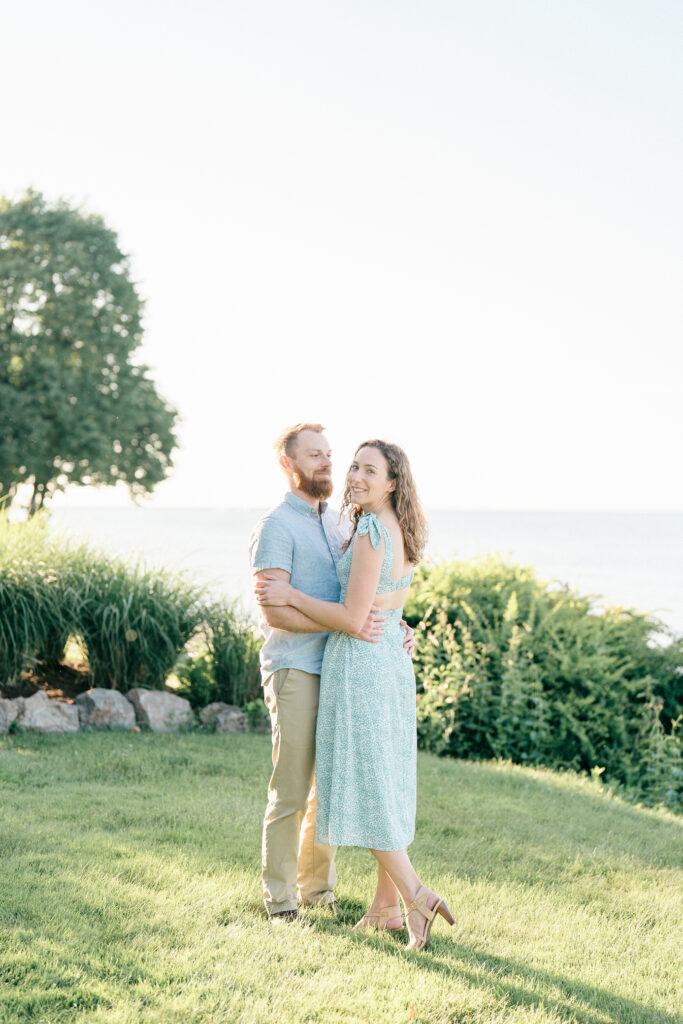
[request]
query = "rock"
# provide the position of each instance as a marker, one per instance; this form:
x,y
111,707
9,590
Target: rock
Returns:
x,y
40,714
224,717
104,709
8,714
161,711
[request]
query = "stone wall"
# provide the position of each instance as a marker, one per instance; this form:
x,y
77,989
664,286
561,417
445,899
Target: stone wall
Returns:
x,y
156,710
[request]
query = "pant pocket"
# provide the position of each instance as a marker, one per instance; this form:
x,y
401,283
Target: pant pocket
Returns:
x,y
279,679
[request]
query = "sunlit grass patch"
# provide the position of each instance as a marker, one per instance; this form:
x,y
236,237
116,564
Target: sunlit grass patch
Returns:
x,y
130,892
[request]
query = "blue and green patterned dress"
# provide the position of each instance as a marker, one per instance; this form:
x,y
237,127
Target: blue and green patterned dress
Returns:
x,y
366,738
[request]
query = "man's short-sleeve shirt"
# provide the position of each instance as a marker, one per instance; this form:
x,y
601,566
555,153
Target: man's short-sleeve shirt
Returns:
x,y
307,544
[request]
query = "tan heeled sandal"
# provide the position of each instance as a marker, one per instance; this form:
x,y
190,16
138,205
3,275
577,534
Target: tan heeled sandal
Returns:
x,y
419,905
379,920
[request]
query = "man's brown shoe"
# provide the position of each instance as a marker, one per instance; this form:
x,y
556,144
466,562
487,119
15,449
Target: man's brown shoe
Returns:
x,y
284,916
331,907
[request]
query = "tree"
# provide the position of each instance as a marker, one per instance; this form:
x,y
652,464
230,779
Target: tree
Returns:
x,y
76,407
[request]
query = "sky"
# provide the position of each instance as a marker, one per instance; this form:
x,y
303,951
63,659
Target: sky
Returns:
x,y
454,225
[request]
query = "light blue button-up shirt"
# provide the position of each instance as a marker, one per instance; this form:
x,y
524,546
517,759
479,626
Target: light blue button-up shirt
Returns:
x,y
307,545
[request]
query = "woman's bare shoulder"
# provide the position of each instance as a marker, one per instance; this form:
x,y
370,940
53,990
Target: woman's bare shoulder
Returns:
x,y
392,524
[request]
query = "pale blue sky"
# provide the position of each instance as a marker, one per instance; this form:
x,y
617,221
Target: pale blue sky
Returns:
x,y
455,225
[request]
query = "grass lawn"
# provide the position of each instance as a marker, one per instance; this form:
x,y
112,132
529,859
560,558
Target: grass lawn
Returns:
x,y
130,892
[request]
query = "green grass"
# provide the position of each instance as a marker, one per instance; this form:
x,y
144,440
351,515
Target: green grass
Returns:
x,y
130,892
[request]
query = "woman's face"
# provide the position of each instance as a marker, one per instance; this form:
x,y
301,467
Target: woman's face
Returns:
x,y
369,479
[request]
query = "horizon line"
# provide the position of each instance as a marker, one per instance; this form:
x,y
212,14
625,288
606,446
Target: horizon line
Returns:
x,y
428,508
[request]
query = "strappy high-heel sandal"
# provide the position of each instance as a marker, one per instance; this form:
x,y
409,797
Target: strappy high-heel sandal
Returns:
x,y
379,920
419,905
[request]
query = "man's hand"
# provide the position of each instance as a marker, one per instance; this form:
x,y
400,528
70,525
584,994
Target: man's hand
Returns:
x,y
373,627
409,642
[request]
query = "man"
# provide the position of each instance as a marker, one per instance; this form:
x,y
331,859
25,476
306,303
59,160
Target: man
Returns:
x,y
302,540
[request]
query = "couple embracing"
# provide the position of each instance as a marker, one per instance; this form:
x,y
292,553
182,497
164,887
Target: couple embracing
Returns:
x,y
339,682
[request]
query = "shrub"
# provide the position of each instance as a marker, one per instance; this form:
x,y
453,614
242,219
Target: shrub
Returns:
x,y
658,777
197,682
510,667
226,668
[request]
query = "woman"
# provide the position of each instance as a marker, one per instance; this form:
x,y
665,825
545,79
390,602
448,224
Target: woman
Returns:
x,y
366,735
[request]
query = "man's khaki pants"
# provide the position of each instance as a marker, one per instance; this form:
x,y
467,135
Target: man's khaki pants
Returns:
x,y
291,854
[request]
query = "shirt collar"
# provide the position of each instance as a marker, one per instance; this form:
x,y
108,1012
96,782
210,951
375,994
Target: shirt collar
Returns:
x,y
299,505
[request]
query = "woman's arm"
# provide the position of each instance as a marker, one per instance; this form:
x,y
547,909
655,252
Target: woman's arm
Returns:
x,y
284,616
349,617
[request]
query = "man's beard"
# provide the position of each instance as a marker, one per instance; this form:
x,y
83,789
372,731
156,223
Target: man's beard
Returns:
x,y
319,488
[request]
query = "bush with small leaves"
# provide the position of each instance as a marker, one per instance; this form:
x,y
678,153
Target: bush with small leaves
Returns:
x,y
510,666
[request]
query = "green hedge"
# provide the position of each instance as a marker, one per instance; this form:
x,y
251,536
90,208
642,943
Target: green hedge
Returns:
x,y
510,667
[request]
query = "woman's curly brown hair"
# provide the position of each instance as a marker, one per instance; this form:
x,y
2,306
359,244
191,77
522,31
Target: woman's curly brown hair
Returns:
x,y
406,503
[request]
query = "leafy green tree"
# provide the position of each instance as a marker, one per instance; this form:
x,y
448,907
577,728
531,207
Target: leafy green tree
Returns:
x,y
76,407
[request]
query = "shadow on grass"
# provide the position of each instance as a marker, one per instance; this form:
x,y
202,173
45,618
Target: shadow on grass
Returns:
x,y
511,979
111,916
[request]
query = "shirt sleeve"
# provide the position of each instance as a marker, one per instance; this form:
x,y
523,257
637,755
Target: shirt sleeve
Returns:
x,y
271,547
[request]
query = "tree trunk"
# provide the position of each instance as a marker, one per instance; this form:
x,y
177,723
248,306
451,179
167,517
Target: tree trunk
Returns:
x,y
33,508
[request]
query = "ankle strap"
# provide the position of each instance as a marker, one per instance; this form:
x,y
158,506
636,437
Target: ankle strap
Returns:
x,y
386,912
420,904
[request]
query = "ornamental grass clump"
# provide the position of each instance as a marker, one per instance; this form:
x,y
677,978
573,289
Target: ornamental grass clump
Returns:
x,y
511,667
64,581
30,612
134,621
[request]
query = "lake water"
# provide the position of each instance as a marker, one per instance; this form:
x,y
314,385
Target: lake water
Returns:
x,y
634,559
